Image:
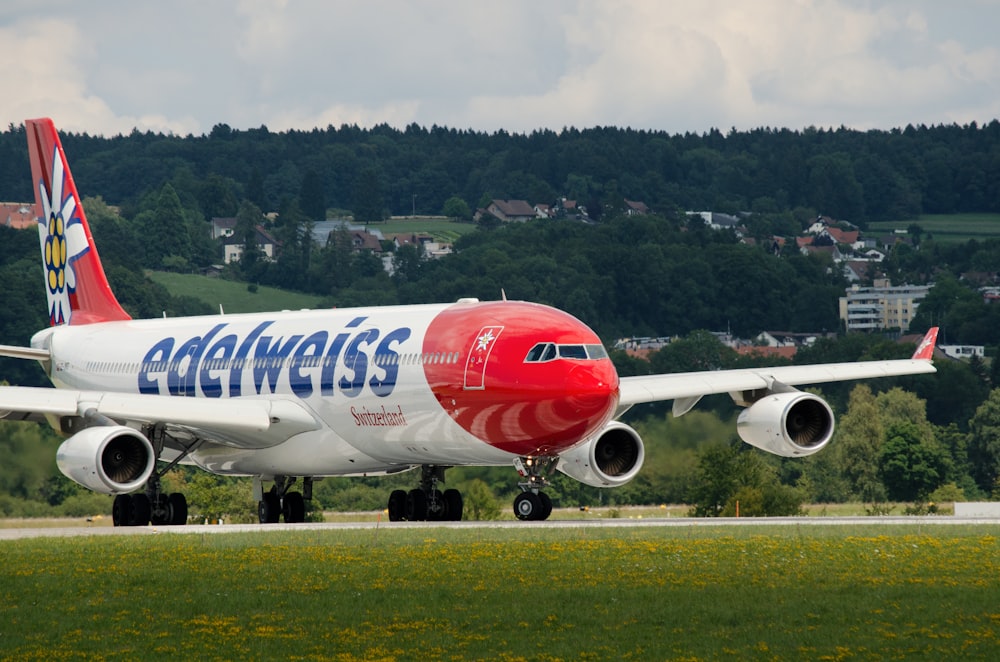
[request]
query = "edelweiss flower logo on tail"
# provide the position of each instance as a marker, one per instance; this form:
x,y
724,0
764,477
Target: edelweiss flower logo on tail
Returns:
x,y
64,241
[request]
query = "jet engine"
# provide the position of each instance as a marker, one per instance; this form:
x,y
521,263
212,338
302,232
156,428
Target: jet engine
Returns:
x,y
110,459
790,424
611,458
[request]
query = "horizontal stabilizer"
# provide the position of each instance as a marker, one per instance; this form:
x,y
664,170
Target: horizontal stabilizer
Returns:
x,y
16,352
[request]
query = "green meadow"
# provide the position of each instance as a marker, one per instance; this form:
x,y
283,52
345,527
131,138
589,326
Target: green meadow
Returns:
x,y
234,296
534,593
953,228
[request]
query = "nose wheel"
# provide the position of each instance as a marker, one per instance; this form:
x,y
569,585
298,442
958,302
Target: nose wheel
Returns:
x,y
532,504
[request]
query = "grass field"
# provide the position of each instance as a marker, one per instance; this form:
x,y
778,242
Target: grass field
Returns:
x,y
441,229
819,593
234,296
947,227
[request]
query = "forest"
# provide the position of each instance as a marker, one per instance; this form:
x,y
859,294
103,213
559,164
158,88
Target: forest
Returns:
x,y
149,199
858,176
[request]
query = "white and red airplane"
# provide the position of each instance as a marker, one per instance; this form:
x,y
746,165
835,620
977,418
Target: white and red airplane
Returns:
x,y
291,396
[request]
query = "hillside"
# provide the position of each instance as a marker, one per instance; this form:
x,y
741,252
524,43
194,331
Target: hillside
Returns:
x,y
234,297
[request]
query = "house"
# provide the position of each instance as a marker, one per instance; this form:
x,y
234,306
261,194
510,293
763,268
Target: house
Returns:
x,y
233,247
641,347
785,339
717,220
821,223
223,227
544,211
635,208
860,270
843,236
571,209
409,239
963,351
361,240
18,215
511,211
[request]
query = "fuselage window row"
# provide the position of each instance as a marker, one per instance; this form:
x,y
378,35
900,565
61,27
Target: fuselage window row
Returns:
x,y
101,367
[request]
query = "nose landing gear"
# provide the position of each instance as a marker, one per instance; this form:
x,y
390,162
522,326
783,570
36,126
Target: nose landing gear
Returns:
x,y
532,504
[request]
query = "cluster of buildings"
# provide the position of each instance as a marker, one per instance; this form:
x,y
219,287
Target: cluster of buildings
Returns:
x,y
361,238
520,211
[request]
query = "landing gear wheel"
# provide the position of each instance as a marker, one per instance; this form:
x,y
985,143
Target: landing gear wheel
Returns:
x,y
416,505
269,508
453,505
138,512
397,506
178,509
159,510
527,506
546,510
293,508
120,509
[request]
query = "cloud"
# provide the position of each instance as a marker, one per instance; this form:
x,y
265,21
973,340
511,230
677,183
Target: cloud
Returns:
x,y
517,65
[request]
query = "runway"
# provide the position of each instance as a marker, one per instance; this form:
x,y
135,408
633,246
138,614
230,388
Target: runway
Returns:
x,y
913,522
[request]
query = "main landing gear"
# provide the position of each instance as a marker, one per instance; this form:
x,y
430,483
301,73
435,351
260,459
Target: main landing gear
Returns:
x,y
149,507
281,501
426,502
532,503
152,506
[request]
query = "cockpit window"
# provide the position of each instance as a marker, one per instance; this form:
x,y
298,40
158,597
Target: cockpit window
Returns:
x,y
543,351
547,351
597,352
572,352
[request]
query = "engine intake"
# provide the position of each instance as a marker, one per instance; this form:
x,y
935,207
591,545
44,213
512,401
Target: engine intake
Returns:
x,y
611,458
110,459
791,424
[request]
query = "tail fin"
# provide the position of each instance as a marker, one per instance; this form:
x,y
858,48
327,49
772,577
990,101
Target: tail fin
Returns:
x,y
925,350
75,284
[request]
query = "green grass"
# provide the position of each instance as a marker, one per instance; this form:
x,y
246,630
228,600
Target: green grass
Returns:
x,y
946,227
441,229
234,296
867,592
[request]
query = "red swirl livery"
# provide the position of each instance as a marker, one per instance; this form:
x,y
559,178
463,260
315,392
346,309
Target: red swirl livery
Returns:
x,y
285,398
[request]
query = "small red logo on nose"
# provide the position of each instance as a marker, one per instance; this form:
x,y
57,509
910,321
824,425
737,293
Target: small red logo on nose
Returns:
x,y
475,367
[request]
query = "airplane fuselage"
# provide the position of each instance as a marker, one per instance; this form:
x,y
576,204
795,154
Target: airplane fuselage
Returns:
x,y
488,382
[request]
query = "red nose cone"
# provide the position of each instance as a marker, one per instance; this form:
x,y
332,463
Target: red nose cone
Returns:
x,y
525,407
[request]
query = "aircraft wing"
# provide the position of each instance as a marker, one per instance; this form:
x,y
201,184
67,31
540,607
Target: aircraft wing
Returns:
x,y
686,388
681,385
239,422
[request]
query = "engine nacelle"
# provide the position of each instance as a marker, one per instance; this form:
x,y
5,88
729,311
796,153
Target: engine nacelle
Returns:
x,y
790,424
110,459
611,458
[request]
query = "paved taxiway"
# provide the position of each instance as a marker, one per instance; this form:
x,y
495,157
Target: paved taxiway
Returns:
x,y
914,522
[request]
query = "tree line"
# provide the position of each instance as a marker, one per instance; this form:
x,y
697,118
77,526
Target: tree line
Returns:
x,y
860,176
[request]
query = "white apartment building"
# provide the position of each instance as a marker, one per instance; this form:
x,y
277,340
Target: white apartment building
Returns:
x,y
880,307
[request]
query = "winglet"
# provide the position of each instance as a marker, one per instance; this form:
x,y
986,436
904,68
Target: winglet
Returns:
x,y
925,351
75,283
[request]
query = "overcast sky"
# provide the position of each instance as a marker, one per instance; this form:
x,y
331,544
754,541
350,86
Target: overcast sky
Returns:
x,y
182,66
